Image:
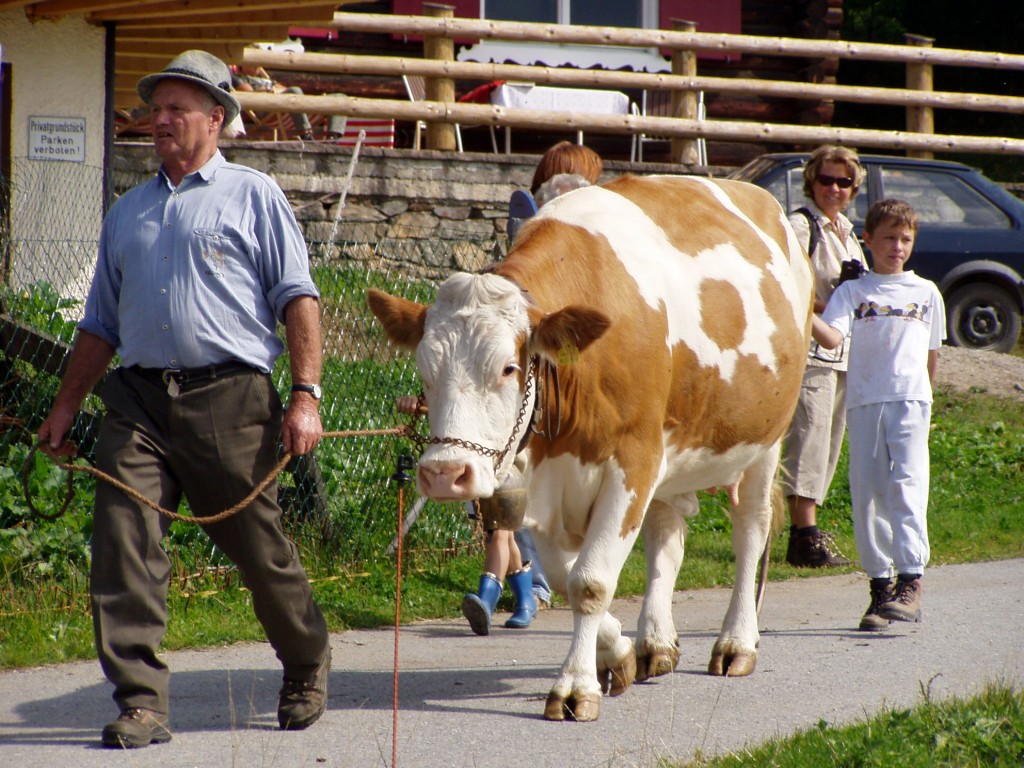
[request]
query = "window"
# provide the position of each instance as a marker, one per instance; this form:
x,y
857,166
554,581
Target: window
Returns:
x,y
942,199
601,13
621,13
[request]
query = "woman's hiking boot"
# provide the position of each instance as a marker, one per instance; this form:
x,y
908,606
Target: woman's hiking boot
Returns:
x,y
812,548
881,593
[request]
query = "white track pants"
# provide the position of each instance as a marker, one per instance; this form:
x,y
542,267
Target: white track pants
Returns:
x,y
889,472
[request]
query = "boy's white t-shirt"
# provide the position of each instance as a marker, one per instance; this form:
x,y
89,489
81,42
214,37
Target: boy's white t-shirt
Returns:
x,y
894,321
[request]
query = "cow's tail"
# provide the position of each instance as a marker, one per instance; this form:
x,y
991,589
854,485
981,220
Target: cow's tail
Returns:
x,y
778,504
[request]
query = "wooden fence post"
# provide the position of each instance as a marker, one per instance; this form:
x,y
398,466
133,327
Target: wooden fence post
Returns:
x,y
440,135
684,103
919,78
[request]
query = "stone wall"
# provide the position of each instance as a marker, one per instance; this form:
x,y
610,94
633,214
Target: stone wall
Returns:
x,y
399,190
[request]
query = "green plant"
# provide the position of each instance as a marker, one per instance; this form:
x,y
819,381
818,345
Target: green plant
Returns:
x,y
41,306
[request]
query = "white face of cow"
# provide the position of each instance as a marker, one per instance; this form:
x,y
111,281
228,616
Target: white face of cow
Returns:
x,y
471,359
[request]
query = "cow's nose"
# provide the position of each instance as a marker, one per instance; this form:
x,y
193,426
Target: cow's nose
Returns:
x,y
445,480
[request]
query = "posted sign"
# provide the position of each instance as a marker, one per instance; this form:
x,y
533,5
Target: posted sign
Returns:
x,y
56,138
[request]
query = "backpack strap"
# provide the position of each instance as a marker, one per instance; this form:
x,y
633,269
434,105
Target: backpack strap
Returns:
x,y
815,229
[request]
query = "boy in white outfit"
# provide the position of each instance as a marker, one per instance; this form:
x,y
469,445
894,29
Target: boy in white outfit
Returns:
x,y
897,322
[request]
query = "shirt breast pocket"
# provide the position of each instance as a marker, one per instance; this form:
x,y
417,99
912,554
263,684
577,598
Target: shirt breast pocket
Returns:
x,y
219,253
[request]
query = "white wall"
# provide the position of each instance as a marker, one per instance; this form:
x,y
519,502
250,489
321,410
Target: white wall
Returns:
x,y
57,70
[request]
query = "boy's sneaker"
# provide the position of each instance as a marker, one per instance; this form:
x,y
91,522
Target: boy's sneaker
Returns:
x,y
303,701
905,604
137,727
814,550
881,593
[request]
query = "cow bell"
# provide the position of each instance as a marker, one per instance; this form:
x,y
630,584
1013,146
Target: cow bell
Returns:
x,y
506,509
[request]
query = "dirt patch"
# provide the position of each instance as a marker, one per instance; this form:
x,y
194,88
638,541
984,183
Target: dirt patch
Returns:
x,y
990,373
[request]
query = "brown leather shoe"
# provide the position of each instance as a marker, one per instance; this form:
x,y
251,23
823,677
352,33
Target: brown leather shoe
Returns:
x,y
905,604
303,701
137,727
814,550
881,593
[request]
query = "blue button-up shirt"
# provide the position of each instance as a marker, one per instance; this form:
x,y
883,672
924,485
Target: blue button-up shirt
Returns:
x,y
198,274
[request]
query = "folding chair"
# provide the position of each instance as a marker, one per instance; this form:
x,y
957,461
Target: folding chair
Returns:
x,y
659,104
416,88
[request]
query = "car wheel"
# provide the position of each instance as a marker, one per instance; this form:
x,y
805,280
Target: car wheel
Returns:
x,y
983,316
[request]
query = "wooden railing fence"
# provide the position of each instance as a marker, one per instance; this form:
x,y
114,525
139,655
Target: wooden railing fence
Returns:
x,y
441,111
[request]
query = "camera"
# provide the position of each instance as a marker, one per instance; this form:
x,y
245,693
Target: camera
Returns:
x,y
850,269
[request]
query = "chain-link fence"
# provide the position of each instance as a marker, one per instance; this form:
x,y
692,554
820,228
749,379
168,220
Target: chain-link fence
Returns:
x,y
344,491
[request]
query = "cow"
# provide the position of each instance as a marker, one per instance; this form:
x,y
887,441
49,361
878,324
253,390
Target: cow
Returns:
x,y
643,340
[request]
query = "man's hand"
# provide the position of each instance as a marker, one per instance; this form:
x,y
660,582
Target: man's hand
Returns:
x,y
53,434
301,429
89,360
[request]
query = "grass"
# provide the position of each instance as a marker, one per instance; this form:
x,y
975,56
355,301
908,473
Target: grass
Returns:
x,y
983,730
977,493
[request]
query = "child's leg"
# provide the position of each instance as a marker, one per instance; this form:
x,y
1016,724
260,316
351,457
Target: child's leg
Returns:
x,y
498,553
869,479
906,499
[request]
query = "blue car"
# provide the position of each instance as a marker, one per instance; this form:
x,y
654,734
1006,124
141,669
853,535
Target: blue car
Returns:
x,y
971,240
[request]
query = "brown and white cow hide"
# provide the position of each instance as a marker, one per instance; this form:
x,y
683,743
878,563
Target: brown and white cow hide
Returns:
x,y
677,311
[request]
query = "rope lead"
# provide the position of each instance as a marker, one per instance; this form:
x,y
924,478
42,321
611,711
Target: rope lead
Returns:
x,y
26,470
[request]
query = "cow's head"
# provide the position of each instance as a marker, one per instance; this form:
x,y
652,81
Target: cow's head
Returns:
x,y
474,348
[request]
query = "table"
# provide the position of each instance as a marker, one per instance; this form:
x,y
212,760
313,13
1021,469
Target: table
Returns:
x,y
548,99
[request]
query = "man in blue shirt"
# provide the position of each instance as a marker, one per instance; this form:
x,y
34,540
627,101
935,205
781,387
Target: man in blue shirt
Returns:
x,y
195,269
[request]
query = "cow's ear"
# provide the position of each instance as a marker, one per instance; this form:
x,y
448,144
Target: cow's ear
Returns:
x,y
402,319
562,335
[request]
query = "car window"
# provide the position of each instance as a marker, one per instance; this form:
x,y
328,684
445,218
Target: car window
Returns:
x,y
942,199
788,189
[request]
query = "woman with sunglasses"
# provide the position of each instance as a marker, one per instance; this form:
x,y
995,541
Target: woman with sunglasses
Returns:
x,y
832,177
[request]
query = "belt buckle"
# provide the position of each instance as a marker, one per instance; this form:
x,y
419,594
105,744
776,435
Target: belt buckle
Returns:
x,y
173,387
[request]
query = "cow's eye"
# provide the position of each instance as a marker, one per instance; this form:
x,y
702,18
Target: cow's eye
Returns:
x,y
510,370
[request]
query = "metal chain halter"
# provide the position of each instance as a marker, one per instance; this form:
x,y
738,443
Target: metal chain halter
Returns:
x,y
497,454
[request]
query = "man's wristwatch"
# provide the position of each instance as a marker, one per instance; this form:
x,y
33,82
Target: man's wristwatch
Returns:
x,y
311,389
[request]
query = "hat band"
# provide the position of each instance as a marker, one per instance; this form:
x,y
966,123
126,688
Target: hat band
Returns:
x,y
191,73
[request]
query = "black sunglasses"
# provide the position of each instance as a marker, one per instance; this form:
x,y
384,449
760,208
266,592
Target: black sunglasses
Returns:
x,y
840,181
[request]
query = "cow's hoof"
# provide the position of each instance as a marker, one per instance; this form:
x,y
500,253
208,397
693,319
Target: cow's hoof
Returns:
x,y
654,662
583,707
731,663
617,677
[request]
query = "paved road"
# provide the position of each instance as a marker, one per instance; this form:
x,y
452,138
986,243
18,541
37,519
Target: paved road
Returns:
x,y
477,702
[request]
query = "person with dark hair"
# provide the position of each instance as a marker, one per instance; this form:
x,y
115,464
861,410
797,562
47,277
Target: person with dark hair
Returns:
x,y
893,359
812,445
196,269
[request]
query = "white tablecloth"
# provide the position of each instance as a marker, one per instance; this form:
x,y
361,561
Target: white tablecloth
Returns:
x,y
526,96
540,97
